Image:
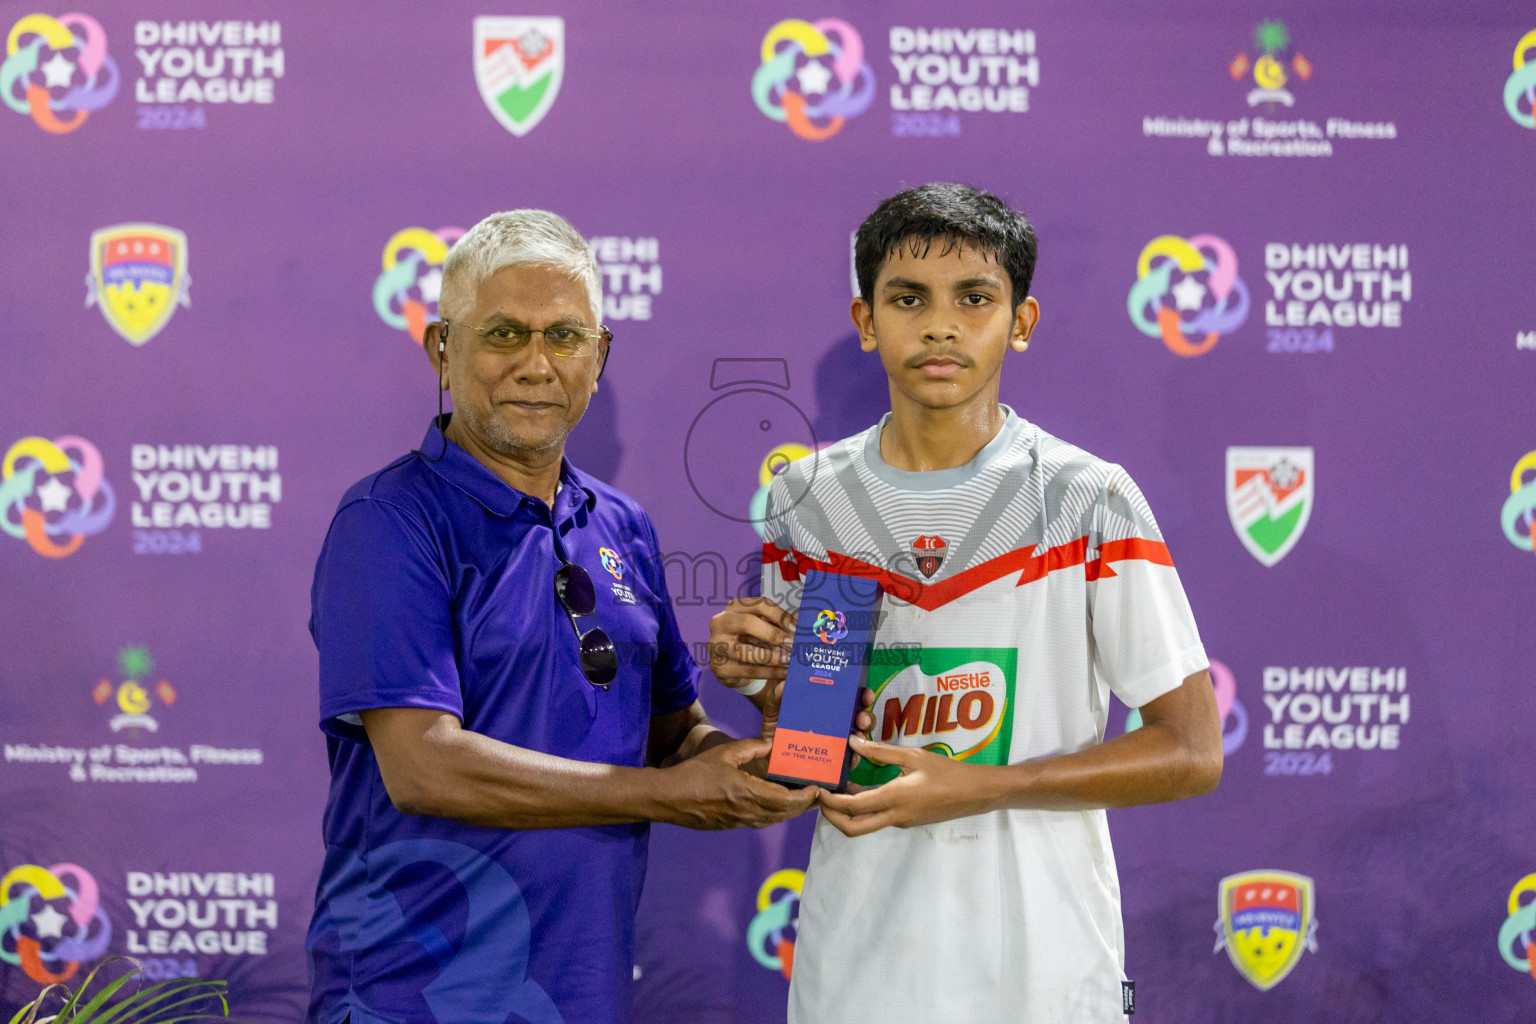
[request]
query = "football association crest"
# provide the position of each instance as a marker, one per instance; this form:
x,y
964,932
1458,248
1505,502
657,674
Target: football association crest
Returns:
x,y
138,277
518,66
929,552
1266,924
1269,498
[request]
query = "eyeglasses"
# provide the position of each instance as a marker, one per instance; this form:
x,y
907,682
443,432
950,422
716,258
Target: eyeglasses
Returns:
x,y
560,339
577,595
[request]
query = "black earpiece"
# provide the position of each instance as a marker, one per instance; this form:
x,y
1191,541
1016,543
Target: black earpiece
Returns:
x,y
442,337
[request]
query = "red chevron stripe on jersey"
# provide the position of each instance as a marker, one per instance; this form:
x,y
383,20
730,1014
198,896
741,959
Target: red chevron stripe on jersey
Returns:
x,y
1024,561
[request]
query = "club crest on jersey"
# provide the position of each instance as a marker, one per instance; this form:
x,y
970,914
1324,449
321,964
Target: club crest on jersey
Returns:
x,y
1266,924
138,277
1269,498
929,552
518,65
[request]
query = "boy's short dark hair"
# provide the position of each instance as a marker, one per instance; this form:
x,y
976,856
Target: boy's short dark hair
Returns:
x,y
953,215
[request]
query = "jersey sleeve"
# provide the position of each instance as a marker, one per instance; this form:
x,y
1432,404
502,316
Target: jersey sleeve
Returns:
x,y
1144,638
674,673
781,580
381,618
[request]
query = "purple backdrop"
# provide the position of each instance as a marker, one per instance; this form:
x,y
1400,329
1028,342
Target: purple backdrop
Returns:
x,y
234,210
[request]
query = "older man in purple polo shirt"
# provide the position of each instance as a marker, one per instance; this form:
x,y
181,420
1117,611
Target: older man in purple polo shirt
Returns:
x,y
506,697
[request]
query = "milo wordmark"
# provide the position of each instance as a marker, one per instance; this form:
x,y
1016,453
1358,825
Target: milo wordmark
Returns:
x,y
955,701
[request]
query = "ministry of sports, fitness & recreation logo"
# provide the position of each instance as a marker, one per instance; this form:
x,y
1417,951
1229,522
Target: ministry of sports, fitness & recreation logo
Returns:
x,y
134,698
138,277
78,77
51,921
1269,498
406,292
1208,291
1267,921
53,494
518,66
812,76
1273,42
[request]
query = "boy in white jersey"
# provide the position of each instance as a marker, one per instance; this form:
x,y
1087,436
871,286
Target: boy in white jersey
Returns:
x,y
1027,579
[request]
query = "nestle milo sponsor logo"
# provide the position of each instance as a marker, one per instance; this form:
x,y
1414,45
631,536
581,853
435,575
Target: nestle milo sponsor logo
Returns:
x,y
953,701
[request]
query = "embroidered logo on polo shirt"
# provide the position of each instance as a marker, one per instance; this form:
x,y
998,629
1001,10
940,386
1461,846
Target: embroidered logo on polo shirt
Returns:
x,y
612,562
615,566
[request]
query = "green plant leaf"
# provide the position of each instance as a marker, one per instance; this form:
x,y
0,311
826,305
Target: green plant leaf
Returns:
x,y
158,998
35,1005
87,1011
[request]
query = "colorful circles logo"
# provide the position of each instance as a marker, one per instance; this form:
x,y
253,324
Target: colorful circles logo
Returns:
x,y
771,935
78,77
74,502
405,295
1234,717
1520,87
813,76
831,626
612,562
1517,936
1208,290
1520,507
45,941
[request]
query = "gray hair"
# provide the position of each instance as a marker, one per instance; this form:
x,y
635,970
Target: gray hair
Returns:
x,y
515,238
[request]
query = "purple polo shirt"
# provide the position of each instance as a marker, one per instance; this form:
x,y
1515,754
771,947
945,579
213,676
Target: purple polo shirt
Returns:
x,y
435,589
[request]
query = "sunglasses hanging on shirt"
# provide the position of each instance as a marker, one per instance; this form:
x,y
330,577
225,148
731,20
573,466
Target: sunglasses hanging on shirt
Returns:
x,y
577,595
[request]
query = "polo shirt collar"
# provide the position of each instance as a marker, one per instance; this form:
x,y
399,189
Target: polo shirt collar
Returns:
x,y
499,498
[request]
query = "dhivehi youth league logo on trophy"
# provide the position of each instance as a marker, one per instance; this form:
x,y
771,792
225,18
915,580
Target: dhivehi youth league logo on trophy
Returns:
x,y
1269,498
831,626
518,65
